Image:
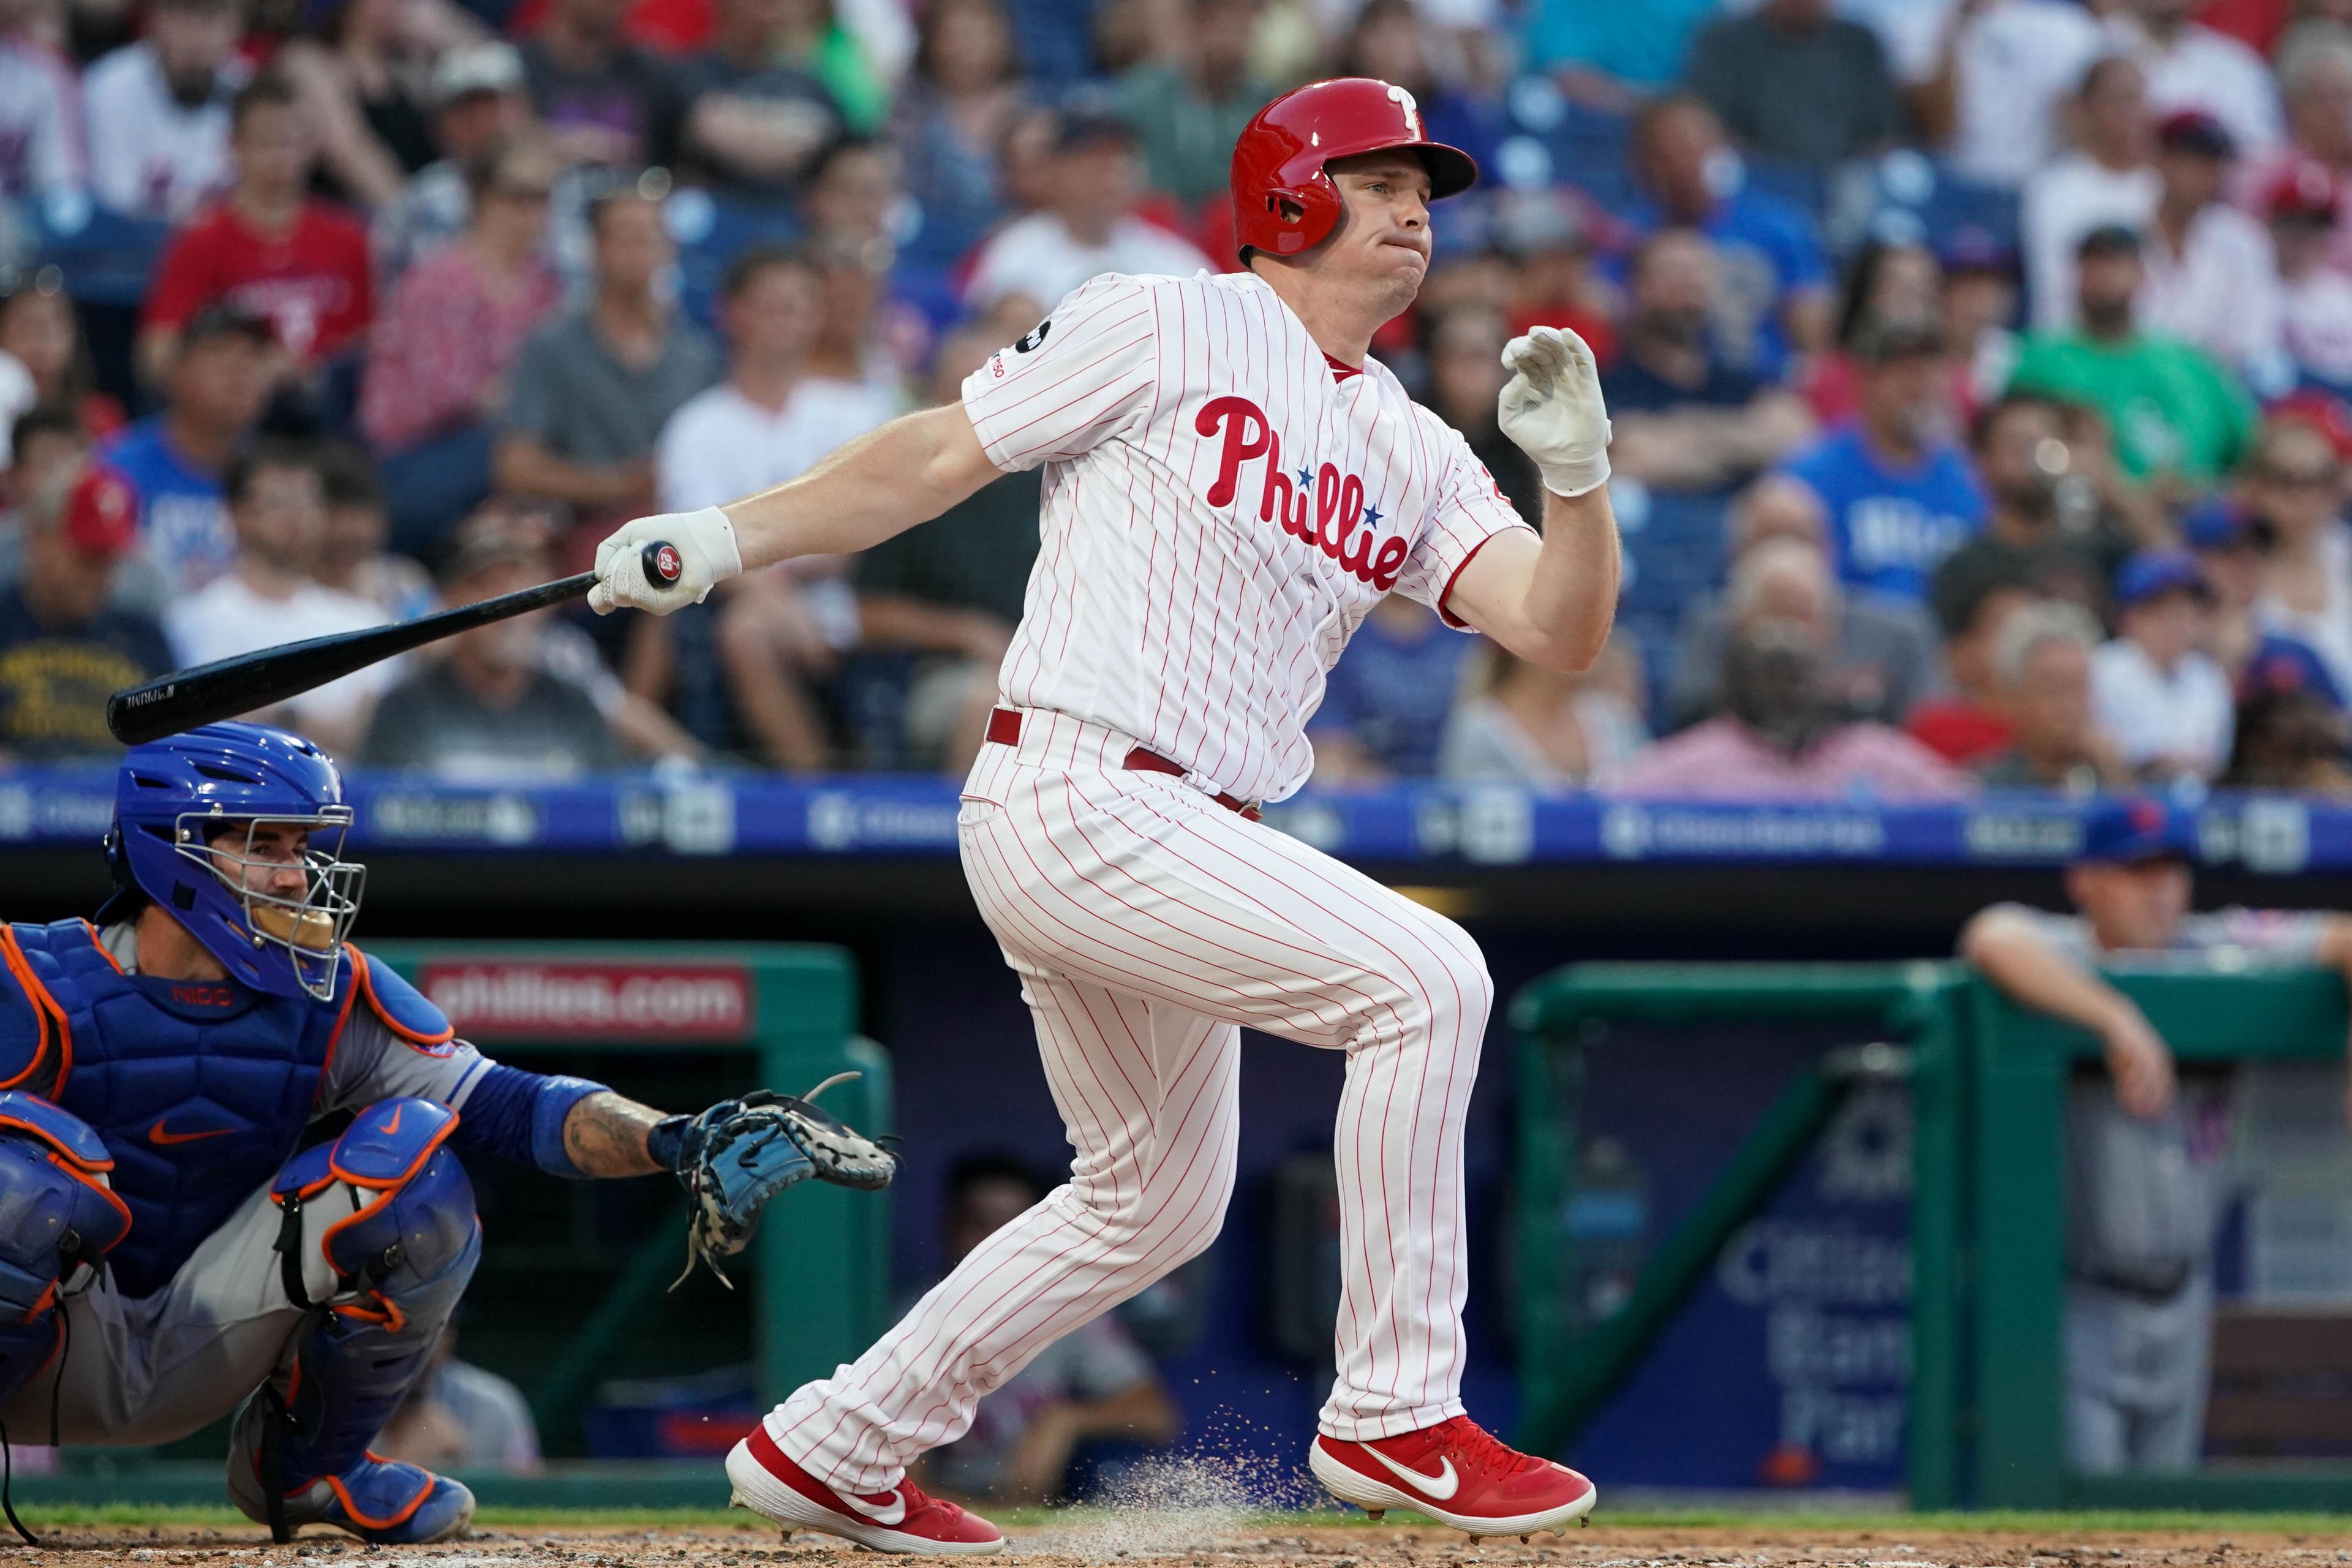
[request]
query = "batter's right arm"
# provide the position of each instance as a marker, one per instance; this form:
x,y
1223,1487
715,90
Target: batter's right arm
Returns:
x,y
883,483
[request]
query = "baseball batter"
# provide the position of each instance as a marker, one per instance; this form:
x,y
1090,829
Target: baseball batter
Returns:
x,y
1230,484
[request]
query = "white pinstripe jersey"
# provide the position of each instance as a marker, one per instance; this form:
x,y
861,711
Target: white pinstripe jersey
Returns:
x,y
1220,510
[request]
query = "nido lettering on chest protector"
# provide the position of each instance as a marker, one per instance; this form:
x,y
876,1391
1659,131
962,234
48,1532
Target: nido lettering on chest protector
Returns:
x,y
1323,507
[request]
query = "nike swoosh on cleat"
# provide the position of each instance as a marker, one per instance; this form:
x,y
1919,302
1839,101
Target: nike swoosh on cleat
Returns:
x,y
894,1513
1438,1487
156,1134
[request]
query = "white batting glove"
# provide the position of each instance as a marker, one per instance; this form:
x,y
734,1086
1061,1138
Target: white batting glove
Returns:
x,y
707,556
1551,407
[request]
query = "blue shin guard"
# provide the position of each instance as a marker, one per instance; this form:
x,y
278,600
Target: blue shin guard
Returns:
x,y
380,1239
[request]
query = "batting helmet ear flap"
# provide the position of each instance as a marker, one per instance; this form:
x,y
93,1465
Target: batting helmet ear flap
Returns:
x,y
1302,216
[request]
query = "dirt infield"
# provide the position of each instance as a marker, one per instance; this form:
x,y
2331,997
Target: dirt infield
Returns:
x,y
1113,1536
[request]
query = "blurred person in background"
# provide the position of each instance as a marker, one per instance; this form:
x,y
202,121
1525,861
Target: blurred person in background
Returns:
x,y
2157,694
457,1416
278,505
2146,1143
1680,416
1090,228
2042,678
214,394
2254,656
1988,88
1899,491
593,388
45,446
363,71
2191,66
1386,702
953,594
2212,274
1519,723
353,558
1885,280
2290,740
2038,528
440,352
64,647
1781,737
484,708
1187,107
1612,58
950,121
478,103
1465,358
2293,492
2108,179
1981,289
2315,296
1776,295
159,110
2179,420
268,245
607,101
1548,237
1092,1383
2316,80
39,330
753,123
43,150
1797,84
1966,724
1878,655
1442,53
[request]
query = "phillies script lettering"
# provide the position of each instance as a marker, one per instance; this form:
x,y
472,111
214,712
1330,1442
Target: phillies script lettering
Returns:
x,y
1330,517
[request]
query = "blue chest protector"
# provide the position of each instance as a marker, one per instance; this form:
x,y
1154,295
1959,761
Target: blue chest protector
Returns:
x,y
201,1089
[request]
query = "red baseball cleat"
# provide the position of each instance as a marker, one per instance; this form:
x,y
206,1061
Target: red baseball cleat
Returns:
x,y
899,1520
1456,1474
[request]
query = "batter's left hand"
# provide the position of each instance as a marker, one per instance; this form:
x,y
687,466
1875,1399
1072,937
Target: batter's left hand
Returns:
x,y
1552,406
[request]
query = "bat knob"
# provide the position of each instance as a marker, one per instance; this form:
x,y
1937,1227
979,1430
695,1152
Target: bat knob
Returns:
x,y
661,562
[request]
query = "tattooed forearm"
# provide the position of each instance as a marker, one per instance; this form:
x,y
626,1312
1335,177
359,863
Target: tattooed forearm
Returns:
x,y
605,1136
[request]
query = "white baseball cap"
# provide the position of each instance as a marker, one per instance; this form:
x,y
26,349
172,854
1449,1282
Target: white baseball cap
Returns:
x,y
493,66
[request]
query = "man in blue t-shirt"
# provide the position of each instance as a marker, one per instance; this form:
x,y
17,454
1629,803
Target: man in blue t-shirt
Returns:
x,y
214,390
1899,491
1776,271
1386,702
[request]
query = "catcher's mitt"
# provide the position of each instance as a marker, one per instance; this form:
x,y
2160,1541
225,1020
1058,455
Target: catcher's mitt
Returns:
x,y
739,1153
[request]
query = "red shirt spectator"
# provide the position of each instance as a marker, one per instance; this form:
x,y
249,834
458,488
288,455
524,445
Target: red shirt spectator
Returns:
x,y
311,280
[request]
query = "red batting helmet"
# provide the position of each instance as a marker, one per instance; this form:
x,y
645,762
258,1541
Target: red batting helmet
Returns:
x,y
1283,201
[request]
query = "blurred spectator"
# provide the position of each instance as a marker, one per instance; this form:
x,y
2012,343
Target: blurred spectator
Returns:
x,y
478,103
593,389
1519,723
1680,416
1385,702
1090,228
1775,299
1610,56
2255,659
1987,85
1549,237
2295,490
269,247
952,591
2317,81
2042,672
63,649
607,101
2189,66
1092,1383
2037,532
213,392
457,1415
1466,383
485,709
2157,694
42,148
1967,725
2177,416
2315,297
853,197
754,122
39,330
2108,180
1187,109
159,110
363,72
45,446
1782,738
1877,655
949,123
277,506
2212,277
352,559
1980,298
2289,739
1899,491
1885,280
1796,84
435,380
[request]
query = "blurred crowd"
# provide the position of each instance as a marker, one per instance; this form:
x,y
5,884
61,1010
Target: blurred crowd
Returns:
x,y
1977,368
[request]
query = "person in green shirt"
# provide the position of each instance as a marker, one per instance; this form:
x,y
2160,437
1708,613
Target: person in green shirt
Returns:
x,y
2179,420
1187,109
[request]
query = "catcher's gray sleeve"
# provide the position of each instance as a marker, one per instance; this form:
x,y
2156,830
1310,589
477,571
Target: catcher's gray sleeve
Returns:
x,y
372,1063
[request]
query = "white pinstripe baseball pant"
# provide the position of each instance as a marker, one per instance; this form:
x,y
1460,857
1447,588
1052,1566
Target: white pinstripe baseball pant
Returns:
x,y
1147,922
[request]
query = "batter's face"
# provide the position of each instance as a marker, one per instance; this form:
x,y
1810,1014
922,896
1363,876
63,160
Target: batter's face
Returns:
x,y
1383,239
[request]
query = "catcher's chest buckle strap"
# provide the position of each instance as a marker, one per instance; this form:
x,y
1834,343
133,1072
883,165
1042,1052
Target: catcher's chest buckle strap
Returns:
x,y
1005,730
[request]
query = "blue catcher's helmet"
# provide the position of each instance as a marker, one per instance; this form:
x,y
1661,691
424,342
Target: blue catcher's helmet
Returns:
x,y
187,810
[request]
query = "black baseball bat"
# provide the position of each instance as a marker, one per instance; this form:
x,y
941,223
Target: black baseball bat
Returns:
x,y
228,687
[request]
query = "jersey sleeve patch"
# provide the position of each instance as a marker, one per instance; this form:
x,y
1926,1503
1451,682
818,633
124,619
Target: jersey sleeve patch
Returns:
x,y
402,1007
